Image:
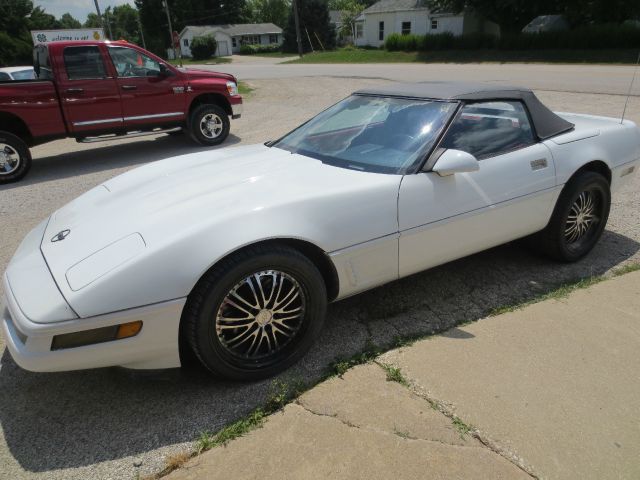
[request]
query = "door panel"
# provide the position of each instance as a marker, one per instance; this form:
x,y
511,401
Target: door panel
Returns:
x,y
442,218
147,96
89,96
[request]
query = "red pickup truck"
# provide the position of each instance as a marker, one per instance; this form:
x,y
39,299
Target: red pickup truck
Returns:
x,y
94,91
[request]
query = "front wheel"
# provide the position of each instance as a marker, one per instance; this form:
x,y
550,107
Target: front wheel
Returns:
x,y
255,313
209,124
578,220
15,158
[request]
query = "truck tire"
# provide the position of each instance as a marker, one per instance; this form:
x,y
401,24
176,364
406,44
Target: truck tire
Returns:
x,y
15,158
209,124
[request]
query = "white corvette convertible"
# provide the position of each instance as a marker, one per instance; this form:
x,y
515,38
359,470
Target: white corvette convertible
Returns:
x,y
235,254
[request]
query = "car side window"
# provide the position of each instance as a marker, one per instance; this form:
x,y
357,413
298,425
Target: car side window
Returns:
x,y
84,63
487,129
132,63
4,77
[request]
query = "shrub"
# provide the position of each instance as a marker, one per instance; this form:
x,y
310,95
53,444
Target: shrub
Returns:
x,y
204,47
588,37
253,49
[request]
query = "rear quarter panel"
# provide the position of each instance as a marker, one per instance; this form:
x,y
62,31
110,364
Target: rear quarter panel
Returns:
x,y
37,104
597,138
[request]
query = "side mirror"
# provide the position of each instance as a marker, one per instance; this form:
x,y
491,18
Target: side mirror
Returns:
x,y
455,161
164,71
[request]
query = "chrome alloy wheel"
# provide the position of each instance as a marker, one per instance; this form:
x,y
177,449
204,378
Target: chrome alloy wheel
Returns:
x,y
9,159
261,315
582,218
211,125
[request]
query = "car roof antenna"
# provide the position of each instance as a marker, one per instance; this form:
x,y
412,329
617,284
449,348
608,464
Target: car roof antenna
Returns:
x,y
635,71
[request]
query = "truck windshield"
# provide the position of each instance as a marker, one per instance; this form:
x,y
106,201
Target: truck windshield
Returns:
x,y
370,133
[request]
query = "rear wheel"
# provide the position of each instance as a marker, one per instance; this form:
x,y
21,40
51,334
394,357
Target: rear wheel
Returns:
x,y
578,220
15,158
256,313
209,124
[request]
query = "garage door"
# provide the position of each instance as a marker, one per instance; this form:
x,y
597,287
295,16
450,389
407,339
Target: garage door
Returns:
x,y
223,49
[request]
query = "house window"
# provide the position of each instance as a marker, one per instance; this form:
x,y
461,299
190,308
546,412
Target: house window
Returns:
x,y
185,42
273,38
434,24
233,42
251,40
406,28
381,31
359,30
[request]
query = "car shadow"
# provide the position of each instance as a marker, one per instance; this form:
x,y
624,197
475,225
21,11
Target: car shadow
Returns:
x,y
102,157
64,420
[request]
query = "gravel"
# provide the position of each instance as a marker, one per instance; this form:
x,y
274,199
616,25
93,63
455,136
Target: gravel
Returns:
x,y
114,424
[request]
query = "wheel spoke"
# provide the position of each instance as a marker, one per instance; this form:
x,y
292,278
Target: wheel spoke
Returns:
x,y
260,315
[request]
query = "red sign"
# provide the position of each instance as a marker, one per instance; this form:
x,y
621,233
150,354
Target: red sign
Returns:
x,y
176,39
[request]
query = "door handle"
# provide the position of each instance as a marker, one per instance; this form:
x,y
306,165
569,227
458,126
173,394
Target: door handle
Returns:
x,y
129,87
74,90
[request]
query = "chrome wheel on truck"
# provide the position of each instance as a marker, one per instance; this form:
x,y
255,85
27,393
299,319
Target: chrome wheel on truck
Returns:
x,y
209,124
15,159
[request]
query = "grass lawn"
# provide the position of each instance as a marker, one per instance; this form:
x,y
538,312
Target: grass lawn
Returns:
x,y
244,88
211,61
352,55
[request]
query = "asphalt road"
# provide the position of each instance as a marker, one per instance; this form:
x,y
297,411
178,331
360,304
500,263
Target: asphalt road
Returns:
x,y
113,423
607,79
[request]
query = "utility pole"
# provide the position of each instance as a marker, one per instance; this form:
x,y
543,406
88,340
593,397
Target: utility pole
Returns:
x,y
144,45
99,14
297,20
173,46
106,14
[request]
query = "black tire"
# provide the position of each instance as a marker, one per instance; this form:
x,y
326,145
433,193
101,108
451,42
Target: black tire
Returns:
x,y
557,239
203,135
226,343
16,158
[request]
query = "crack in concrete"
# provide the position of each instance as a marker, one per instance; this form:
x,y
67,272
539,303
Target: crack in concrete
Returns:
x,y
447,410
370,429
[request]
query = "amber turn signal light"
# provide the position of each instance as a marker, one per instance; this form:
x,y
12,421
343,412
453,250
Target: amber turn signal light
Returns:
x,y
96,335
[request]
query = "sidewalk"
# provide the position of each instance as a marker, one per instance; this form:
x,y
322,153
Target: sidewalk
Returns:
x,y
549,391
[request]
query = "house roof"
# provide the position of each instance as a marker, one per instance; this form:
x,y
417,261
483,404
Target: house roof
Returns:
x,y
546,123
235,29
395,5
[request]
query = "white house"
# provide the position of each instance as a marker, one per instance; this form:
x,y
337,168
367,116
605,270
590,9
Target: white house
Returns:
x,y
385,17
230,37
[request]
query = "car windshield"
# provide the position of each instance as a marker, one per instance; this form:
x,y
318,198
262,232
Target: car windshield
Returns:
x,y
371,133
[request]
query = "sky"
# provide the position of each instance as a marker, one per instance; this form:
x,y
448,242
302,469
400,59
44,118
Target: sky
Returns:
x,y
78,8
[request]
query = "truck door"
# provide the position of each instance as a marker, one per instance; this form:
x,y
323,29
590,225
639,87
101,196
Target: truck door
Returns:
x,y
151,93
89,96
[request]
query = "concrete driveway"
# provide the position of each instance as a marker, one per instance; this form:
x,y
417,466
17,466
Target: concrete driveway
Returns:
x,y
113,423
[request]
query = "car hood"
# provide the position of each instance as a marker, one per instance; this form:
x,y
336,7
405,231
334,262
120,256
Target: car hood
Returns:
x,y
252,191
194,73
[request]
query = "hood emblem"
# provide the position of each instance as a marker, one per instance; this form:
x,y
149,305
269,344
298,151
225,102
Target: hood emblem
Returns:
x,y
61,235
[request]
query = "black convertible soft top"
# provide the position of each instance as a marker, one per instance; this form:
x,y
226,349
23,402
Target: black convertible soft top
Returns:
x,y
547,124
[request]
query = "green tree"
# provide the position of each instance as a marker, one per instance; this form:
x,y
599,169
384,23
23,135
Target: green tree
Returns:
x,y
92,21
269,11
314,24
510,15
186,12
350,10
68,21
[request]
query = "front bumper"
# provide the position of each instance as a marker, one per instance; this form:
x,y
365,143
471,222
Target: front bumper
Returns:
x,y
155,347
236,108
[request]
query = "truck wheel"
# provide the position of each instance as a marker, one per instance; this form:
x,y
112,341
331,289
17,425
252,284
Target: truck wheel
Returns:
x,y
15,158
209,124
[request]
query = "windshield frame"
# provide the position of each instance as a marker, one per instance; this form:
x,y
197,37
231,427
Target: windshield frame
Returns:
x,y
409,169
